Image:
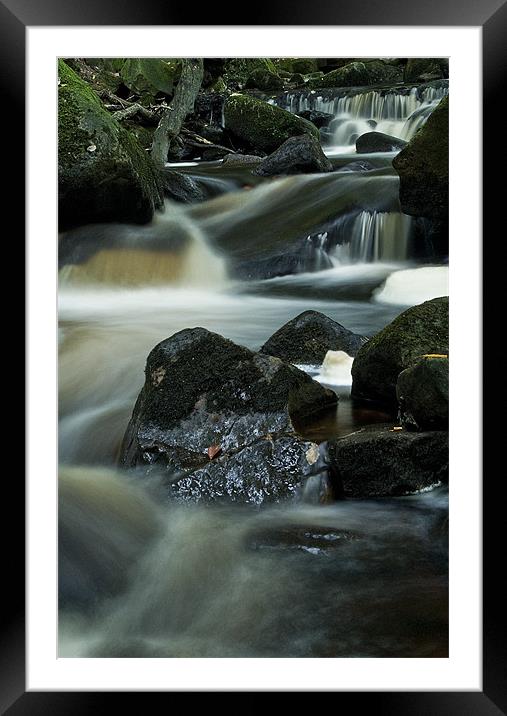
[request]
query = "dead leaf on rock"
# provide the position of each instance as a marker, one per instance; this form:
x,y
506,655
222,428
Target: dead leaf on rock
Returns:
x,y
213,451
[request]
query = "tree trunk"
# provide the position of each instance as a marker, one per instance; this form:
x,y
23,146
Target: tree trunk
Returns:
x,y
169,127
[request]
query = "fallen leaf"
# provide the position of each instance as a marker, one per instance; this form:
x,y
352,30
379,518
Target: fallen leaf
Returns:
x,y
213,451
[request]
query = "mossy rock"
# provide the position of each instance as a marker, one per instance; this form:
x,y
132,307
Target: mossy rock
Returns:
x,y
360,74
423,166
146,77
421,330
103,173
264,80
301,65
425,69
264,126
238,69
423,394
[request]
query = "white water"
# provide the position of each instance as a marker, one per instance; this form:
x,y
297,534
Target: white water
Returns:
x,y
336,369
376,236
391,112
412,286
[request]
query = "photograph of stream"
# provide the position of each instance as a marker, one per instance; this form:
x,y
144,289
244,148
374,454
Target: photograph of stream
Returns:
x,y
253,357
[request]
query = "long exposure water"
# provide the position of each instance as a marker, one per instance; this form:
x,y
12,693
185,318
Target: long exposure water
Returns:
x,y
140,576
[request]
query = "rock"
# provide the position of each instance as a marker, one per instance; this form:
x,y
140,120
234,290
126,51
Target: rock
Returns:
x,y
300,65
319,119
416,332
378,142
238,69
360,74
204,392
423,166
423,394
241,160
307,338
297,79
420,69
262,125
382,461
103,174
148,76
264,80
181,187
297,155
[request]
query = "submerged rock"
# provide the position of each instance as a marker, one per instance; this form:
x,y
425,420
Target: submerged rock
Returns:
x,y
263,125
103,173
182,188
378,142
416,332
423,394
423,166
319,119
307,338
217,419
359,166
387,461
296,155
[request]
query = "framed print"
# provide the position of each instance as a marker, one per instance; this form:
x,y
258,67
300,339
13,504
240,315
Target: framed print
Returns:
x,y
281,244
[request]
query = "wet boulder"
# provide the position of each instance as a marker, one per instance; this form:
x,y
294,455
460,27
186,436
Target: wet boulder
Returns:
x,y
420,330
423,394
360,74
297,155
425,69
319,119
182,188
103,173
262,125
378,142
423,166
264,79
307,338
388,461
218,420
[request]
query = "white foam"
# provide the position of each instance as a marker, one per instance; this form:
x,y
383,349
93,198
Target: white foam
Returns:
x,y
336,369
411,286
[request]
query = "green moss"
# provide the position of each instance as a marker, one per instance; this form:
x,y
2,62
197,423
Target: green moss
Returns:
x,y
423,166
264,80
146,76
420,69
238,69
263,125
104,174
360,74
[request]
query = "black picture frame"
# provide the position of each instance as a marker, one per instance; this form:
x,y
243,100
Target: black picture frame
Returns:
x,y
15,17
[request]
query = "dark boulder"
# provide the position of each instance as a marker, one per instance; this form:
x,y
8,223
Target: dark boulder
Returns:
x,y
182,188
423,166
386,461
217,420
262,125
319,119
422,69
103,173
307,338
296,155
263,79
423,394
416,332
360,74
378,142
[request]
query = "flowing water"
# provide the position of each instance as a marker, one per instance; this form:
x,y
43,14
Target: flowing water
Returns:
x,y
143,577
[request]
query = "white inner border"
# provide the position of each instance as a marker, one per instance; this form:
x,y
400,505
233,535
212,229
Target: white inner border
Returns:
x,y
462,671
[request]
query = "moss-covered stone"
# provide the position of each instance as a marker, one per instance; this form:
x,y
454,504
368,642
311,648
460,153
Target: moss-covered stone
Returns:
x,y
264,80
146,76
301,65
423,394
264,126
103,173
421,69
238,69
420,330
360,74
423,166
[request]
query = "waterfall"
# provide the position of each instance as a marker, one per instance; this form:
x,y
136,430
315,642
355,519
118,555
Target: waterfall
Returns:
x,y
396,111
376,236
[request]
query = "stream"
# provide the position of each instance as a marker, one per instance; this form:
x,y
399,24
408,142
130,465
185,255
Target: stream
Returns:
x,y
141,576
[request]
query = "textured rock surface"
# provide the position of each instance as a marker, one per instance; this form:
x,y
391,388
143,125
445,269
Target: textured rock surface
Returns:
x,y
378,142
308,337
423,166
296,155
416,332
379,461
423,394
264,126
217,419
103,174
